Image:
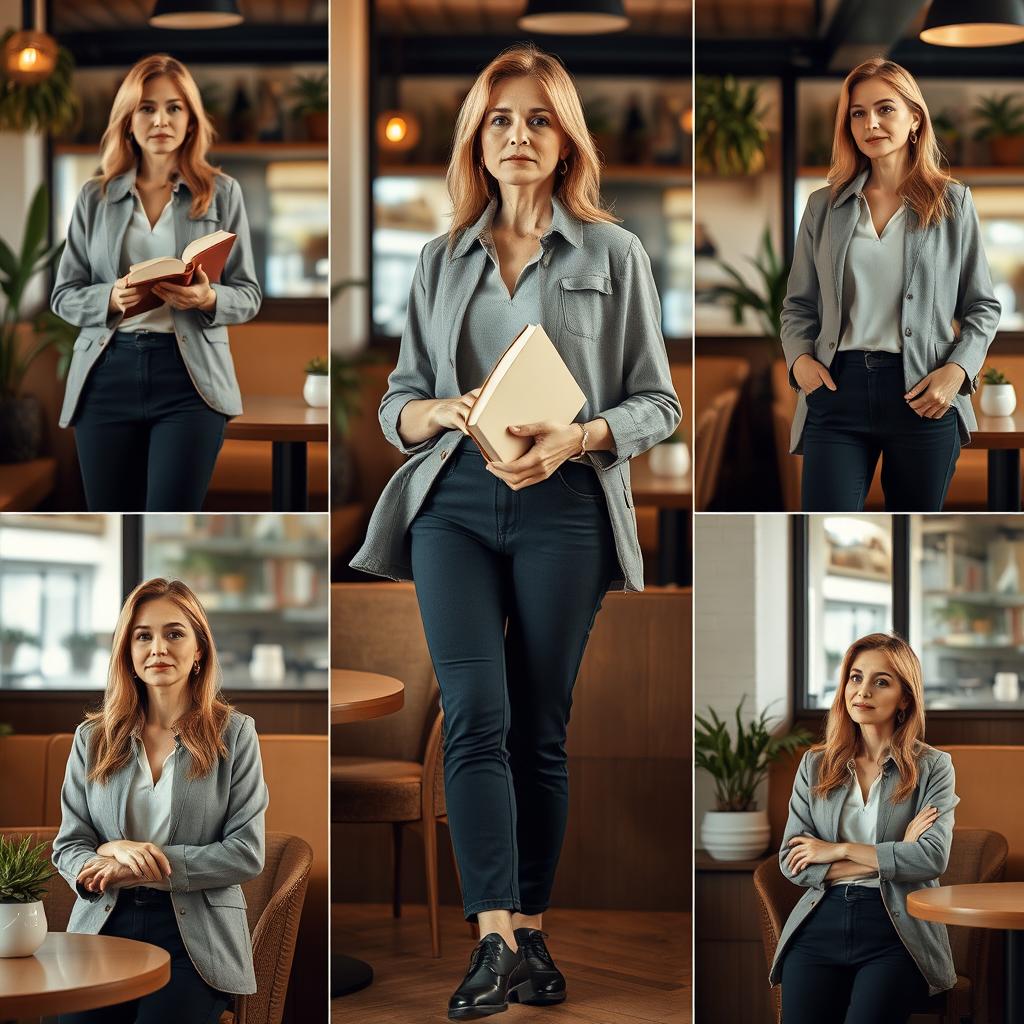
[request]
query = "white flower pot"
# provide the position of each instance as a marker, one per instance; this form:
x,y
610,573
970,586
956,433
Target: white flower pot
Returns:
x,y
670,459
22,928
998,399
317,390
735,835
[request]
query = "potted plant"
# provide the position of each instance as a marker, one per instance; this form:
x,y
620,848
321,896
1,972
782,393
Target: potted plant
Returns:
x,y
311,95
766,302
10,640
81,647
317,389
24,871
737,830
1002,124
671,457
21,418
998,397
730,138
50,105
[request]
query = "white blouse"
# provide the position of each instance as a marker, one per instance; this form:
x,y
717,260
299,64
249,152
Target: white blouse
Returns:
x,y
858,823
142,242
873,284
148,816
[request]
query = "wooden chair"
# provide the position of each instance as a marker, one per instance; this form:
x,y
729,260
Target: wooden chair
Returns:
x,y
977,855
274,899
719,383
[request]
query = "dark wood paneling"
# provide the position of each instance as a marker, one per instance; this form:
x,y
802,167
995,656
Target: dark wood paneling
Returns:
x,y
996,728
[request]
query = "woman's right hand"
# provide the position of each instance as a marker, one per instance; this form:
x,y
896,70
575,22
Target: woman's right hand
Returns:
x,y
811,375
146,860
122,298
920,823
103,872
452,413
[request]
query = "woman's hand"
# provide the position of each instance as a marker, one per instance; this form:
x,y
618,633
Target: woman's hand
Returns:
x,y
811,375
920,823
122,298
933,394
452,413
197,295
553,444
100,873
807,850
146,860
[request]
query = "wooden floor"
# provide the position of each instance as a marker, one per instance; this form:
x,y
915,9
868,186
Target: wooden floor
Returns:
x,y
620,966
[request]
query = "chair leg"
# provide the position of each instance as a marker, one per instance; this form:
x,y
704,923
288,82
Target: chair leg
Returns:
x,y
433,900
396,887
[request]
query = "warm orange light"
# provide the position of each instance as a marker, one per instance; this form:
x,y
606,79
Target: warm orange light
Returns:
x,y
30,57
686,120
396,129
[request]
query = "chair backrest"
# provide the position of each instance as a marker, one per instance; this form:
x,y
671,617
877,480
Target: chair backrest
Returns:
x,y
714,375
783,410
376,627
22,758
716,421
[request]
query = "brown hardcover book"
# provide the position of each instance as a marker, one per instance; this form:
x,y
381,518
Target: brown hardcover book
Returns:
x,y
529,383
210,250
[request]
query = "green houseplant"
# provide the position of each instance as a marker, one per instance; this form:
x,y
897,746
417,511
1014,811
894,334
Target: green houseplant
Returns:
x,y
24,871
51,105
767,297
1001,122
10,640
81,647
310,93
21,415
737,830
998,396
729,138
317,389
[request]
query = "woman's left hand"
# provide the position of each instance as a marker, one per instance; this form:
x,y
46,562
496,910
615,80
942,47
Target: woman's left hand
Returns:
x,y
197,295
933,394
807,850
103,872
553,444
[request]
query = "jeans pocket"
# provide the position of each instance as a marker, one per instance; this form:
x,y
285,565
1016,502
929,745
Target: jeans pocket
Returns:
x,y
580,481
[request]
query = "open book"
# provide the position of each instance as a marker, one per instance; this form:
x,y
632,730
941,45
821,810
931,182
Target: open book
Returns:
x,y
210,250
529,383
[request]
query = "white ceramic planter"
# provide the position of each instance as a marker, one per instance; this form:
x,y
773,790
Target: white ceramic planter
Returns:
x,y
998,399
317,390
22,928
735,835
670,459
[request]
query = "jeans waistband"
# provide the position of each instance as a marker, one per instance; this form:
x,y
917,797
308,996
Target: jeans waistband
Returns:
x,y
144,896
869,359
145,337
849,892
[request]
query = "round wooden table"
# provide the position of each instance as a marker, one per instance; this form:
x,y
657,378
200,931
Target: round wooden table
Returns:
x,y
355,697
1003,437
984,905
289,424
672,496
80,972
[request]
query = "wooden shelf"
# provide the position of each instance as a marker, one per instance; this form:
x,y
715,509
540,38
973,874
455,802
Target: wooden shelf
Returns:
x,y
306,150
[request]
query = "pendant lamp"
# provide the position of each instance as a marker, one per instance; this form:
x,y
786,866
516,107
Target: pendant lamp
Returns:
x,y
574,17
195,14
30,56
978,23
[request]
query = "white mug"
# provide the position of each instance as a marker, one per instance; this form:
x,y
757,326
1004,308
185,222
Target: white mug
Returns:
x,y
1007,686
267,664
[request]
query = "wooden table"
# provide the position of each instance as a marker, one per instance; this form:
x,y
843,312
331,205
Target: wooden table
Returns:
x,y
289,424
672,496
1003,436
355,697
984,905
80,972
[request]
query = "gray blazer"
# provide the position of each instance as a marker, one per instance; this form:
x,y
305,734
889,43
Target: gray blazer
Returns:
x,y
903,867
91,263
945,278
216,843
602,312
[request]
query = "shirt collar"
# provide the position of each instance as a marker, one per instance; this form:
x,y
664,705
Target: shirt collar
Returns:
x,y
124,185
853,188
562,223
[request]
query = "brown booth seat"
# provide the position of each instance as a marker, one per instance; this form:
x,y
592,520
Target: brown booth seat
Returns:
x,y
24,486
719,384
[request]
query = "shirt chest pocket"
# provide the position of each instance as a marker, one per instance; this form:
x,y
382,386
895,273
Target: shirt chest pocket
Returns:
x,y
584,303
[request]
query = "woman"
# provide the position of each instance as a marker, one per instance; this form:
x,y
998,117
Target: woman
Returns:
x,y
531,544
149,395
870,821
162,811
887,257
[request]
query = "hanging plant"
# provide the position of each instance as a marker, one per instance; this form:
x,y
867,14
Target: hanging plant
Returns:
x,y
50,106
730,138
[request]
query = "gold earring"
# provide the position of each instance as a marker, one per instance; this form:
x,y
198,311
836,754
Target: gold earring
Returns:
x,y
565,167
195,668
913,136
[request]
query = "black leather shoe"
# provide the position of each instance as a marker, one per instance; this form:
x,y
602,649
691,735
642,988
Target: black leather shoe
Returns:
x,y
546,980
495,976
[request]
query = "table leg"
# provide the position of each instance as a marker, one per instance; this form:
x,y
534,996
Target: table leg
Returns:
x,y
290,492
348,975
1004,480
1014,976
674,564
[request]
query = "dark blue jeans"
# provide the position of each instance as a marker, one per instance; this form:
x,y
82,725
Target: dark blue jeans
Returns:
x,y
867,417
509,584
147,442
148,916
847,963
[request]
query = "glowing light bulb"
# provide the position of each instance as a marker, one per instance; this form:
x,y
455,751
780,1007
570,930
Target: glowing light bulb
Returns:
x,y
28,58
396,129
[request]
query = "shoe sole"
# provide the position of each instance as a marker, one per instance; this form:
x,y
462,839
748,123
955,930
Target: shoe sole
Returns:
x,y
544,1000
472,1012
526,994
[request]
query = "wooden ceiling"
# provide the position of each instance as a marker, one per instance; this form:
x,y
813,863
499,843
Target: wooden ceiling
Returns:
x,y
664,18
102,15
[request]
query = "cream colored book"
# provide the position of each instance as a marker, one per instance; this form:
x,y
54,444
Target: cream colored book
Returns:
x,y
529,383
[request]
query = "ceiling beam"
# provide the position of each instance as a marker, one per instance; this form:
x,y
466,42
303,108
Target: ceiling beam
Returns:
x,y
860,29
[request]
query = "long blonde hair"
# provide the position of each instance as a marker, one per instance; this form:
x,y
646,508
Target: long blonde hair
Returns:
x,y
471,186
842,735
123,712
121,153
925,187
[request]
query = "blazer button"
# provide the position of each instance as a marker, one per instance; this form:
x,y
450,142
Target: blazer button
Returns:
x,y
908,332
182,912
107,907
444,455
910,295
831,344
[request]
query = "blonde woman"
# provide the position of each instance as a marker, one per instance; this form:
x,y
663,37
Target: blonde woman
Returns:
x,y
162,811
887,257
870,821
511,560
146,390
